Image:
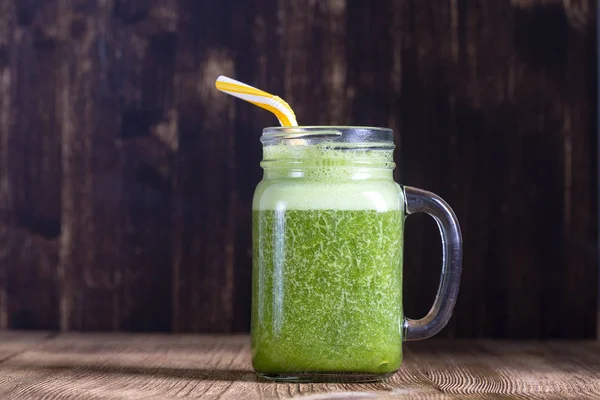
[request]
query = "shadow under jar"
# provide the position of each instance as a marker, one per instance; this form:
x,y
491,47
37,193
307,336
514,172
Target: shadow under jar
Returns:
x,y
328,226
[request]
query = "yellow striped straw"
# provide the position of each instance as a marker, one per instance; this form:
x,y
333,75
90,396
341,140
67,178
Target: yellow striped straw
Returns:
x,y
260,98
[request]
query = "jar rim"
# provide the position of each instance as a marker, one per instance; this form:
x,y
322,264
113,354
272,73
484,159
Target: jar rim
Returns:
x,y
312,134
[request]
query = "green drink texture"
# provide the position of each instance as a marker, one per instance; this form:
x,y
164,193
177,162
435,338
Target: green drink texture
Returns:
x,y
327,265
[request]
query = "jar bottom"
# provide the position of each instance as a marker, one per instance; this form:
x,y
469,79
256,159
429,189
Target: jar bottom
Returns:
x,y
331,377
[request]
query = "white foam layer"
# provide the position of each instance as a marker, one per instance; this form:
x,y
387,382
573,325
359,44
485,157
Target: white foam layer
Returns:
x,y
379,195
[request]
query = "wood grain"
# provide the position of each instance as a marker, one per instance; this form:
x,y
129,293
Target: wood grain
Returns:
x,y
125,366
126,179
15,342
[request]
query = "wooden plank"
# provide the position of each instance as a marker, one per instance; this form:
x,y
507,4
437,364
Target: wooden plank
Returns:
x,y
517,369
204,184
36,170
145,39
93,366
420,118
15,342
12,343
253,66
579,170
90,271
30,196
7,214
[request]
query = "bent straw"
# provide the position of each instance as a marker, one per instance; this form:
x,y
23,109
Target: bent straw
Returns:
x,y
275,104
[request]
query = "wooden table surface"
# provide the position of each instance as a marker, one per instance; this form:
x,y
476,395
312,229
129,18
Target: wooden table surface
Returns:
x,y
125,366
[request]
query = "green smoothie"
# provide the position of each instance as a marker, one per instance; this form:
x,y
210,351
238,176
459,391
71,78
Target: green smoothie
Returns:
x,y
327,265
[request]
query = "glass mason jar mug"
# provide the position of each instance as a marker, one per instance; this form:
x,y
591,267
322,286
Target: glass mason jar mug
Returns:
x,y
328,225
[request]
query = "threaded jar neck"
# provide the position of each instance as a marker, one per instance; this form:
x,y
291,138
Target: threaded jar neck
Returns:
x,y
328,152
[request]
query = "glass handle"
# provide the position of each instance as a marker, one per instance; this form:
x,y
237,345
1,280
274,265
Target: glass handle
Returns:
x,y
418,200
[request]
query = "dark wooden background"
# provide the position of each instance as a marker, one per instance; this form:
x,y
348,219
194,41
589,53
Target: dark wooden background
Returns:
x,y
126,178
